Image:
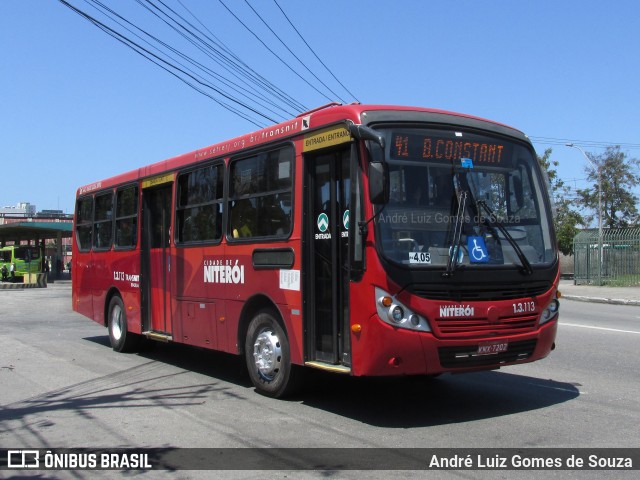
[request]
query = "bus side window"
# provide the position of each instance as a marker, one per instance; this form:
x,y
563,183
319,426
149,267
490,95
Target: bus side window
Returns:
x,y
260,195
84,223
127,217
103,221
198,209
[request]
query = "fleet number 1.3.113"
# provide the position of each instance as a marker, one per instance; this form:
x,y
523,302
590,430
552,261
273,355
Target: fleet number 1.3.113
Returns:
x,y
524,307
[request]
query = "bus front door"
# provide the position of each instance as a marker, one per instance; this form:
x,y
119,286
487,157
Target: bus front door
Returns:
x,y
327,195
156,260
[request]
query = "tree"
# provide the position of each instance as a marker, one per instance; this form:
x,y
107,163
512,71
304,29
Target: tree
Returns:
x,y
619,178
566,218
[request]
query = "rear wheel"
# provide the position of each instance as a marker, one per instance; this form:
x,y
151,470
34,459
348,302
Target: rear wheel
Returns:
x,y
268,357
122,340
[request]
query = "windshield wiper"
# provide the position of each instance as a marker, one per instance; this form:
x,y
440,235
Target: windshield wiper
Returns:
x,y
492,219
452,262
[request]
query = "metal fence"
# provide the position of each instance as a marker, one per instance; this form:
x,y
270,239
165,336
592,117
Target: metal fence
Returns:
x,y
611,260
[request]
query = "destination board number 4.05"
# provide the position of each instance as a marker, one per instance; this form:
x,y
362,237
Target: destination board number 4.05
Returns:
x,y
419,257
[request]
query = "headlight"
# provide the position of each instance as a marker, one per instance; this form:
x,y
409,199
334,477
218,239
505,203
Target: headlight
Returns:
x,y
391,311
550,312
396,314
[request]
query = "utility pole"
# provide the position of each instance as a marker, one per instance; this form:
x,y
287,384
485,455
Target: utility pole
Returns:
x,y
599,170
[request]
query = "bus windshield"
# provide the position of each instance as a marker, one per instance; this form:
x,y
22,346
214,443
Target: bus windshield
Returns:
x,y
28,254
463,199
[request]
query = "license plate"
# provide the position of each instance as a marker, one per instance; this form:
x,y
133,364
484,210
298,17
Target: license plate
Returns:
x,y
493,346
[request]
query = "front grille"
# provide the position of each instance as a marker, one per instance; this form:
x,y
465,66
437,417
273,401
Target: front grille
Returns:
x,y
467,357
482,327
471,292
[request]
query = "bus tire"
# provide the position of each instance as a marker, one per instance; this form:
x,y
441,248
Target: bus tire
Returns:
x,y
268,357
121,339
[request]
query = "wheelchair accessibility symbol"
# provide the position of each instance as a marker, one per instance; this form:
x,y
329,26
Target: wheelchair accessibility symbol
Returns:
x,y
477,250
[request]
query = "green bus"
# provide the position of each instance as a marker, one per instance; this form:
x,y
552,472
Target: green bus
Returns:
x,y
26,259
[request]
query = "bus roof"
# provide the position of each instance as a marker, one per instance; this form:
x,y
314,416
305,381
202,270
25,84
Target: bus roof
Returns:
x,y
311,120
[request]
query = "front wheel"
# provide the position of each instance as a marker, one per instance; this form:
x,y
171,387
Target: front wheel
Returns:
x,y
268,357
121,339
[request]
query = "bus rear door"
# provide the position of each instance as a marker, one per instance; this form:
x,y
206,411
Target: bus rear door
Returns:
x,y
156,256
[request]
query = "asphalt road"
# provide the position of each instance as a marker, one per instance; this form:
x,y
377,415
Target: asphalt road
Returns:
x,y
61,386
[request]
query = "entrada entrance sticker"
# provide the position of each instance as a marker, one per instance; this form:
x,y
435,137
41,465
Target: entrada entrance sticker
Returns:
x,y
323,226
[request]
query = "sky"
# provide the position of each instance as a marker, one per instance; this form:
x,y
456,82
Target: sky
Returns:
x,y
77,106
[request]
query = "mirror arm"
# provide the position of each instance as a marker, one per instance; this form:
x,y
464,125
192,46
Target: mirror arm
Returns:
x,y
362,132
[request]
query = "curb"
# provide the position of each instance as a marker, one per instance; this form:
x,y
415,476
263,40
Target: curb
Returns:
x,y
610,301
20,286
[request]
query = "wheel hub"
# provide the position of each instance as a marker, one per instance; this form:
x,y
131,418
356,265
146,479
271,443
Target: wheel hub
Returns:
x,y
267,353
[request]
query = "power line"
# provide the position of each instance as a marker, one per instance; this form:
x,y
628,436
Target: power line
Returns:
x,y
245,93
230,84
243,67
583,143
575,179
219,57
291,52
272,52
169,58
220,60
230,59
145,53
166,58
173,69
314,53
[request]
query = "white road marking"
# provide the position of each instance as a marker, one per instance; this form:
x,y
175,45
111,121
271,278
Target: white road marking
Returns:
x,y
599,328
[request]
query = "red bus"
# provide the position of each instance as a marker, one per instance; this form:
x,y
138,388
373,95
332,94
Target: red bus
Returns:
x,y
360,239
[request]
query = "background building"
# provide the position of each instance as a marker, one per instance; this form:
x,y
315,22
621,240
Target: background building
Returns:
x,y
26,212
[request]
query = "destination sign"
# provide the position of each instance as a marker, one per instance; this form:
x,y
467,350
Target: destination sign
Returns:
x,y
482,151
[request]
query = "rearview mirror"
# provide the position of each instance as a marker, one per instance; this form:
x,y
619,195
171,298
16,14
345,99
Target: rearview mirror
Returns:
x,y
378,169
